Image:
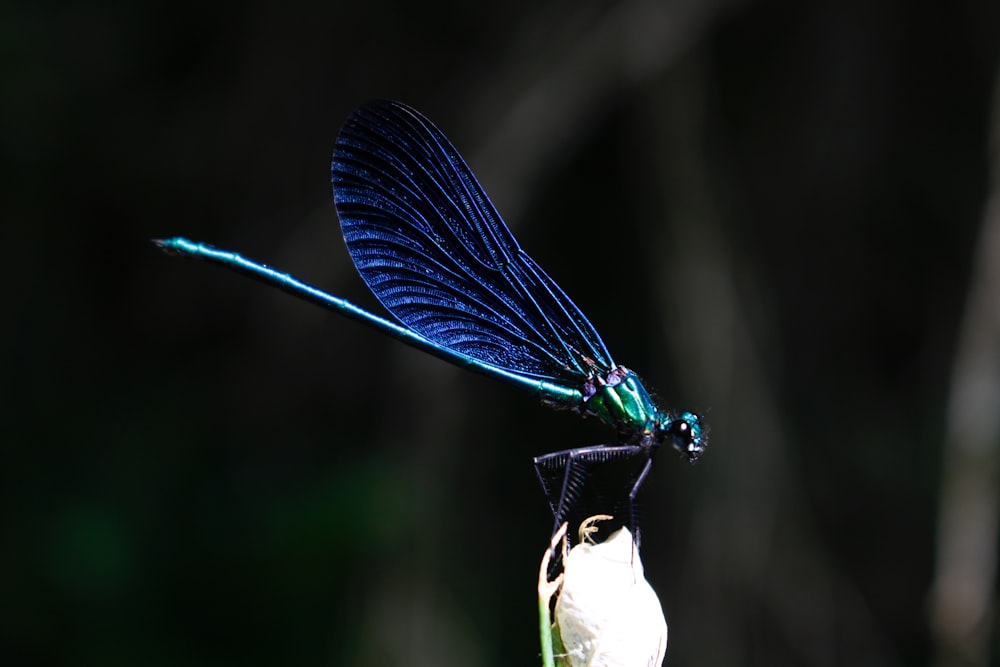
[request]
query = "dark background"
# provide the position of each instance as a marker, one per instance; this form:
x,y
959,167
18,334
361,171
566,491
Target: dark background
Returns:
x,y
769,209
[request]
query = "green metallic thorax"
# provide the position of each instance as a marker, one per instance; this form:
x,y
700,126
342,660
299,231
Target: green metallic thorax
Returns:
x,y
626,406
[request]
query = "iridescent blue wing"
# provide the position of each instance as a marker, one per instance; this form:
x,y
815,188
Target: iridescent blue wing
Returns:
x,y
433,249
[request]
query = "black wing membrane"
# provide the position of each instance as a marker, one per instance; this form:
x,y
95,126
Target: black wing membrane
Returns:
x,y
432,247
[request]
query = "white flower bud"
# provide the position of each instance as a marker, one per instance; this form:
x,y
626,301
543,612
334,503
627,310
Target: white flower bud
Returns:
x,y
607,613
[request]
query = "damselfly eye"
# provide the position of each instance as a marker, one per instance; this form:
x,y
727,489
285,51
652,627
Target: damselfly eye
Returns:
x,y
681,431
688,434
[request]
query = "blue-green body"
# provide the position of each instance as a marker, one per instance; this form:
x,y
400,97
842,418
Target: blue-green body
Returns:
x,y
547,391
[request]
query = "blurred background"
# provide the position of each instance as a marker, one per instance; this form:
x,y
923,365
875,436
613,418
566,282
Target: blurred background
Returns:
x,y
779,213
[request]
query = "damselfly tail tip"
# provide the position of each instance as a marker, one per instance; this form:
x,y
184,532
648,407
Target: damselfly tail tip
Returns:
x,y
174,246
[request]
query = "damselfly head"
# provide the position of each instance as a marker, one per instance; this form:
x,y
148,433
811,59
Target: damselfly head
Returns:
x,y
689,435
